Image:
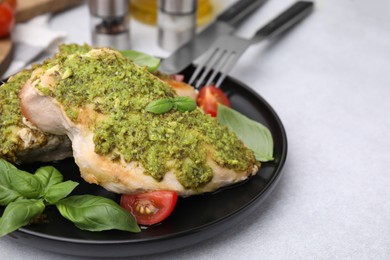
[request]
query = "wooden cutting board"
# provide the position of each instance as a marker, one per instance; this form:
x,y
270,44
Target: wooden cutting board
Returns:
x,y
27,9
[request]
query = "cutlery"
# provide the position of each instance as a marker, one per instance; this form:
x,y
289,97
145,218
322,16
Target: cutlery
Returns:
x,y
227,49
224,24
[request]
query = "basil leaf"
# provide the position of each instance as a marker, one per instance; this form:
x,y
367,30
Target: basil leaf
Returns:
x,y
59,191
184,103
26,184
142,59
254,135
48,176
94,213
19,213
159,106
20,181
7,192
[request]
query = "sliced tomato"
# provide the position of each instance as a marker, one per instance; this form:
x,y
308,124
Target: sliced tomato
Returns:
x,y
209,97
151,207
7,18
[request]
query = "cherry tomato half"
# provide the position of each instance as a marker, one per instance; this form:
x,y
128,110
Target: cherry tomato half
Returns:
x,y
209,97
7,19
151,207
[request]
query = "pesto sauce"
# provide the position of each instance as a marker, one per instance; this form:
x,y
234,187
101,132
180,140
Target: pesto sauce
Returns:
x,y
68,49
181,141
10,114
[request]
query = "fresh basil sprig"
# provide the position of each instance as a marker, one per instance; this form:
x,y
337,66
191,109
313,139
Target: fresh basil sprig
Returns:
x,y
164,105
53,186
160,106
254,135
103,213
26,195
16,184
184,103
142,59
19,213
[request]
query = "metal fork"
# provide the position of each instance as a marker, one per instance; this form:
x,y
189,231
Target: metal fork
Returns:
x,y
224,53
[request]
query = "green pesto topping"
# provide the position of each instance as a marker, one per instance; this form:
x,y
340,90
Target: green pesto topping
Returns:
x,y
68,49
11,115
119,91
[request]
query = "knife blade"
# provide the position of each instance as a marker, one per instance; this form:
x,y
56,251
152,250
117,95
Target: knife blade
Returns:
x,y
224,24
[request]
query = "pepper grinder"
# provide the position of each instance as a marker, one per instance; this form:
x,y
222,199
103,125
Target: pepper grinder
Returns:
x,y
176,21
110,23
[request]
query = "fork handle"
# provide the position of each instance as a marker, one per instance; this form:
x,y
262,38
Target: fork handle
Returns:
x,y
285,20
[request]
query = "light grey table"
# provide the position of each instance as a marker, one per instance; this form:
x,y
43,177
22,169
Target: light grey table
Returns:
x,y
329,81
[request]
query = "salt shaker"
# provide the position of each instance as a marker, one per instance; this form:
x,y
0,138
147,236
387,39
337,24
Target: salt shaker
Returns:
x,y
110,23
176,21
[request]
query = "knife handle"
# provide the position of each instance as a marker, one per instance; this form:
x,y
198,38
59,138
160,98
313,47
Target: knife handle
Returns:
x,y
285,20
239,11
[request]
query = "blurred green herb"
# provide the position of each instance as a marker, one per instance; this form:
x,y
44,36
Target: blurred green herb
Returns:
x,y
142,59
254,135
160,106
164,105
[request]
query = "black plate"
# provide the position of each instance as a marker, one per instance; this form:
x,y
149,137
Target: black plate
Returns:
x,y
194,219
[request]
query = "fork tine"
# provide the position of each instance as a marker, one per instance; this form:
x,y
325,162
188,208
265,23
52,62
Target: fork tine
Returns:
x,y
218,67
232,59
218,61
218,55
210,54
195,74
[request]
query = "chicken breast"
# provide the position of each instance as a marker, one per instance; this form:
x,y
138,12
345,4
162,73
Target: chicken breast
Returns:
x,y
21,141
98,100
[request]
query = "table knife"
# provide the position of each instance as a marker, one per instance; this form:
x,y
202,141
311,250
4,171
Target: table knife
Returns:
x,y
224,24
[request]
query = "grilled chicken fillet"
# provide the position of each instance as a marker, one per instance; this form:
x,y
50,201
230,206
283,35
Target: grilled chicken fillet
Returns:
x,y
98,100
21,141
